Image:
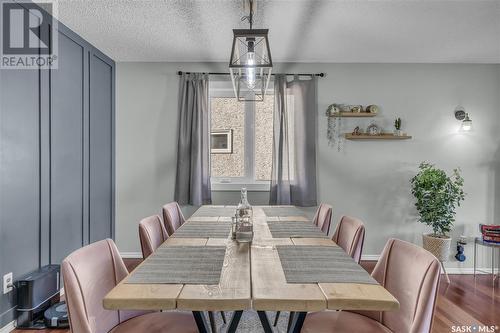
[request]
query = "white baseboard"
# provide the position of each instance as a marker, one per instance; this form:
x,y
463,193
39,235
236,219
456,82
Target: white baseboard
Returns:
x,y
370,257
131,255
468,270
9,327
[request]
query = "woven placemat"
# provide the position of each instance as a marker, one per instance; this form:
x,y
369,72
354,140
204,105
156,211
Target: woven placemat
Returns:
x,y
215,211
320,264
295,229
204,229
282,211
181,264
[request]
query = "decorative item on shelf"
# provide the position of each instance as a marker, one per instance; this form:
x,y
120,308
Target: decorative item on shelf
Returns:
x,y
356,131
357,108
397,126
462,241
437,196
244,225
372,109
333,133
373,129
332,110
463,116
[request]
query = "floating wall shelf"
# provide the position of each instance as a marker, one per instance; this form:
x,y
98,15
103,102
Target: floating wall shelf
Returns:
x,y
385,136
354,114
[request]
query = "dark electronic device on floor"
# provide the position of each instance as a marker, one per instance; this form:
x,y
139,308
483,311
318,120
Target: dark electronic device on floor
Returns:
x,y
36,292
57,316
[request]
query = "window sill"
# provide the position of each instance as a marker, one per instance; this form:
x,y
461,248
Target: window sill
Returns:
x,y
236,187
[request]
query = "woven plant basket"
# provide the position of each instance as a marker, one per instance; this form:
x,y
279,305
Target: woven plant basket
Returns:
x,y
438,246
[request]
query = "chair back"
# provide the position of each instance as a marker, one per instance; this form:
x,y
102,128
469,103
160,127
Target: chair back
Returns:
x,y
350,236
172,217
323,217
89,274
152,234
411,274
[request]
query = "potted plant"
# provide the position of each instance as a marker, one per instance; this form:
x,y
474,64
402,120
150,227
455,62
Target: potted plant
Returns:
x,y
397,126
438,195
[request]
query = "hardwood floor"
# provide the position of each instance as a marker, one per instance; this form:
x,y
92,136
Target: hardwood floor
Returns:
x,y
462,302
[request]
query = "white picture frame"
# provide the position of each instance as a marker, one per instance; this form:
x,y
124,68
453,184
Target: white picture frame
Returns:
x,y
221,141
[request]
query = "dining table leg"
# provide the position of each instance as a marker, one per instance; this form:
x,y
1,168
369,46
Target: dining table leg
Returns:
x,y
297,320
201,321
290,319
235,320
264,320
211,319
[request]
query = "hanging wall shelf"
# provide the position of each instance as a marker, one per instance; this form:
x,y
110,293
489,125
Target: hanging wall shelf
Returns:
x,y
385,136
353,114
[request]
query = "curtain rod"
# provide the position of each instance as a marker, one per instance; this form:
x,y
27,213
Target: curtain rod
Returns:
x,y
299,74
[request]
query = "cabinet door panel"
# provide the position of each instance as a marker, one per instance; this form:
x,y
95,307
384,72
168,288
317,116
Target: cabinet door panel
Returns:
x,y
66,145
101,149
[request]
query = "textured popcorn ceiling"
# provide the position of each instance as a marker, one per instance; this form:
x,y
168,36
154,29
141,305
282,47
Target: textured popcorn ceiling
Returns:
x,y
300,30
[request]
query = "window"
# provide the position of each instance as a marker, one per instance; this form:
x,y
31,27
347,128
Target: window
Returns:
x,y
241,140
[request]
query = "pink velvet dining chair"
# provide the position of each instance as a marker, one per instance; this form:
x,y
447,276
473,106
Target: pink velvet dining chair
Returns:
x,y
411,275
172,217
323,217
89,274
152,234
350,236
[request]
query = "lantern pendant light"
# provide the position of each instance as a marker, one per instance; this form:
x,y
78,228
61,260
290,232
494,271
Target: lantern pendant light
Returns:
x,y
250,64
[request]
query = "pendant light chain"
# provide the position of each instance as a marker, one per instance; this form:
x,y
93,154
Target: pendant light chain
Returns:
x,y
249,18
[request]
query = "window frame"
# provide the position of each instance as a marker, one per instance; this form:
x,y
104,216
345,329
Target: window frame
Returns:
x,y
248,181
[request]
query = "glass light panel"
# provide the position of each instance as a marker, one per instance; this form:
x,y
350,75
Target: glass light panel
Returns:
x,y
250,64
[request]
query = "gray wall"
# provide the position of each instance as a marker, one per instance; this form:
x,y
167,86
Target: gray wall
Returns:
x,y
369,180
56,161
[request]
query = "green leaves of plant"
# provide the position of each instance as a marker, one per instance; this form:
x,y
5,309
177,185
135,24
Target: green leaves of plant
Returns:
x,y
437,196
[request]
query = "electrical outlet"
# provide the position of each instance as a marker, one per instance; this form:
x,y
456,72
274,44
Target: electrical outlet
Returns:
x,y
7,283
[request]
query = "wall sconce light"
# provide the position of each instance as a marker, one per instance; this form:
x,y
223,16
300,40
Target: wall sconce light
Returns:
x,y
463,116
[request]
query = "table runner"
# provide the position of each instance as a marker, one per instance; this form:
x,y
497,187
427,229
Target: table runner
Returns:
x,y
320,264
295,229
282,211
215,211
204,229
181,265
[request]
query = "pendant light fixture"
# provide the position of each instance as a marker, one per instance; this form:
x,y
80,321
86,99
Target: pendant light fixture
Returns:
x,y
250,64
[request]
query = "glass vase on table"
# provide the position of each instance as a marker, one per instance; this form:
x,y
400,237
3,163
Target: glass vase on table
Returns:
x,y
244,212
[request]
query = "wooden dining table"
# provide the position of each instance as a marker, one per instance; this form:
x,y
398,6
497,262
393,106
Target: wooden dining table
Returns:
x,y
252,277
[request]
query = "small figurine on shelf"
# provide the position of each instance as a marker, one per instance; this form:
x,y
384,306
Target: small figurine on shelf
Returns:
x,y
356,131
397,126
356,108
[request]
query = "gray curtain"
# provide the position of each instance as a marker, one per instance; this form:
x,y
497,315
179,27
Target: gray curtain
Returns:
x,y
293,178
192,185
